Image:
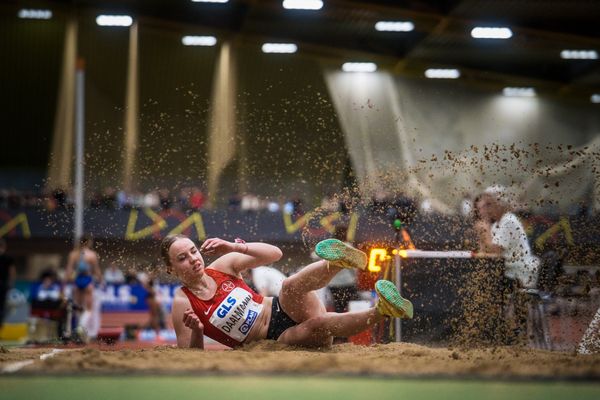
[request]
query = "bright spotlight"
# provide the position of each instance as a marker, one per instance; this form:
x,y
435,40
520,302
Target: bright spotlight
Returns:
x,y
359,67
481,32
114,20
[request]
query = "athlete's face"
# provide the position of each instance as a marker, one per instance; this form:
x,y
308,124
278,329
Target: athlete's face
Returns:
x,y
186,260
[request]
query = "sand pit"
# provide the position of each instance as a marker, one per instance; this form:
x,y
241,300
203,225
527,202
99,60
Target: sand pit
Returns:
x,y
272,358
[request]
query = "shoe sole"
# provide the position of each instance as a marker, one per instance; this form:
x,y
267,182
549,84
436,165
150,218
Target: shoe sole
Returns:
x,y
338,251
393,302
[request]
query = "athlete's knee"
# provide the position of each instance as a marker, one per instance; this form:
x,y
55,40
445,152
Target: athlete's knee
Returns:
x,y
288,287
318,326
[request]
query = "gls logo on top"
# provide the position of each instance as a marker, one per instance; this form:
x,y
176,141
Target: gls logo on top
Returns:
x,y
225,308
236,314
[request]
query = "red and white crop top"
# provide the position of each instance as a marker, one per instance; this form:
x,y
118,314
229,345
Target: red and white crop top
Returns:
x,y
232,311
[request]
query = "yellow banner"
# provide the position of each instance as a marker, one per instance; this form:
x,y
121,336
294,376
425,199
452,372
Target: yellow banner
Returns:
x,y
159,223
19,219
327,222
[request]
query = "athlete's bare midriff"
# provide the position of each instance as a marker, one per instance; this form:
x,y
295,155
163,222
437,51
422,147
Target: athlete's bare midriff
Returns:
x,y
261,326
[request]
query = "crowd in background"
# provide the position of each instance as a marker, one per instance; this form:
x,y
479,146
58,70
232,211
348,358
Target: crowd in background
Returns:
x,y
194,198
191,198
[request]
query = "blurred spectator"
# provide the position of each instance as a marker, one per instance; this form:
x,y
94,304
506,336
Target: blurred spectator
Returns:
x,y
142,276
197,199
60,198
234,201
83,262
329,203
47,300
250,202
131,277
122,199
346,204
273,206
156,313
109,198
426,206
183,201
151,200
266,280
96,200
298,205
288,207
501,233
49,291
113,274
164,196
466,206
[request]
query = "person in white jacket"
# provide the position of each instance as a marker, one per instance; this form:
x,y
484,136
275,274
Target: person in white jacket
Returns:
x,y
501,233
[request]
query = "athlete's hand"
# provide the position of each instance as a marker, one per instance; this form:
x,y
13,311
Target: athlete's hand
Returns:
x,y
217,247
191,320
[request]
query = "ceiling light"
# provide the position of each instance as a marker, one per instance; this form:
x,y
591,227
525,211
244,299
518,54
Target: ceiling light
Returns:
x,y
359,67
595,98
303,4
394,26
442,73
579,54
199,40
279,48
114,20
34,14
481,32
519,92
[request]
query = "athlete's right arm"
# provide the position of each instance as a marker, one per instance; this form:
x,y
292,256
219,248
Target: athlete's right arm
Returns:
x,y
188,328
237,257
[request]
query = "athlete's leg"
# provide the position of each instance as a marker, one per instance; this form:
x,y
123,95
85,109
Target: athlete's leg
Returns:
x,y
85,316
88,297
319,331
297,296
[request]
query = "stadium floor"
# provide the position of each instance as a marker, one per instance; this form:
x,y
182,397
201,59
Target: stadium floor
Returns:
x,y
283,387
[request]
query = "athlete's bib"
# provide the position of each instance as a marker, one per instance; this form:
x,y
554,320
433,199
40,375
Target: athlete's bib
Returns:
x,y
236,314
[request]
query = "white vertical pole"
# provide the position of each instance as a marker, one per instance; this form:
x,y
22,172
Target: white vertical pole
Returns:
x,y
79,144
398,268
131,111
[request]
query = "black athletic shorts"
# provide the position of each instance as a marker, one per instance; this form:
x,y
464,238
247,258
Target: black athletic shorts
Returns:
x,y
280,321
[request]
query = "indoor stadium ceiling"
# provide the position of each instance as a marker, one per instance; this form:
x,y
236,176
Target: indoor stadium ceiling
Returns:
x,y
344,30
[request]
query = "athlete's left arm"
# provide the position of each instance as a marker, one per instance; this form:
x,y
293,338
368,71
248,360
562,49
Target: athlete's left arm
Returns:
x,y
240,256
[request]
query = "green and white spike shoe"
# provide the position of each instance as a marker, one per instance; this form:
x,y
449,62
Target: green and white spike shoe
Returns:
x,y
341,254
390,302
